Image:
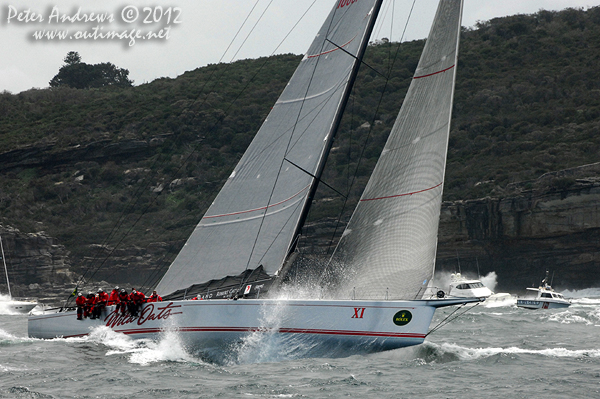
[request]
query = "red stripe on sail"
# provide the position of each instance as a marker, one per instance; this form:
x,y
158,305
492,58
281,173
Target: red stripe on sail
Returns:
x,y
435,73
402,195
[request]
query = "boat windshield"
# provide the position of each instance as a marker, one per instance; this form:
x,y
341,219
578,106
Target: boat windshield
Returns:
x,y
546,295
467,286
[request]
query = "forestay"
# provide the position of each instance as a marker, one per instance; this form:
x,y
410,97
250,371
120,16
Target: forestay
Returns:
x,y
253,219
389,246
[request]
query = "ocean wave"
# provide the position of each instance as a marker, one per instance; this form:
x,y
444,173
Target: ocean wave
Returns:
x,y
168,347
7,338
465,353
585,293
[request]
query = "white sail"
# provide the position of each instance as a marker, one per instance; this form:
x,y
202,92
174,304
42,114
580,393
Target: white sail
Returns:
x,y
253,220
389,246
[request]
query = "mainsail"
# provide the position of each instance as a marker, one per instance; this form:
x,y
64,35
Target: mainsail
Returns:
x,y
255,217
388,248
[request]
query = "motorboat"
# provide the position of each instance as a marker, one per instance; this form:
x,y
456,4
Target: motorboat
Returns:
x,y
546,298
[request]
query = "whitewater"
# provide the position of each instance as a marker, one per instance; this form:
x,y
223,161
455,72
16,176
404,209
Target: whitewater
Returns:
x,y
489,352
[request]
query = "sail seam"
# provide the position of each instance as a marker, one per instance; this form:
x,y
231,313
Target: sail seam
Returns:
x,y
333,49
256,209
401,195
434,73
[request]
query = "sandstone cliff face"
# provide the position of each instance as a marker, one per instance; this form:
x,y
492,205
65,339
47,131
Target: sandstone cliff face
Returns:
x,y
37,265
521,237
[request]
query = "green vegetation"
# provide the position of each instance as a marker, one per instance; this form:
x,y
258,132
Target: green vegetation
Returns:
x,y
137,165
79,75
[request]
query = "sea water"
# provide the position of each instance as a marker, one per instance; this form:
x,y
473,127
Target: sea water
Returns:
x,y
488,352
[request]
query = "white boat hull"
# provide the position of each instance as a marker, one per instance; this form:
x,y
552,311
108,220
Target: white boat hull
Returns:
x,y
542,304
364,326
19,306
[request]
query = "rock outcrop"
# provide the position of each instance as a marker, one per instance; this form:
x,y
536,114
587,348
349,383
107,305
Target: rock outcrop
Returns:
x,y
521,237
38,266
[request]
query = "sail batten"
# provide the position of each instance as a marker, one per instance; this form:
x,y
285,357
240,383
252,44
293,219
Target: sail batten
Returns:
x,y
255,218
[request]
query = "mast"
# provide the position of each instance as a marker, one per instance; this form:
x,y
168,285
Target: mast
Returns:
x,y
5,268
334,129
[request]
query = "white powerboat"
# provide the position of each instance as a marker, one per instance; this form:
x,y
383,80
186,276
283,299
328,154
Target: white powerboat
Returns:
x,y
546,298
467,288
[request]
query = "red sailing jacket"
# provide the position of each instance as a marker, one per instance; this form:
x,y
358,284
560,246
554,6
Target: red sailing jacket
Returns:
x,y
102,297
138,297
123,297
91,301
80,301
114,297
154,298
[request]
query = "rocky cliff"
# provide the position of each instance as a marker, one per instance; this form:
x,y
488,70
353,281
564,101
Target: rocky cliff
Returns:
x,y
38,266
549,224
553,226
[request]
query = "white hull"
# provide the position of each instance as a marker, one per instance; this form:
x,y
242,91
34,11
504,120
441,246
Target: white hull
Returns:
x,y
19,306
363,326
542,304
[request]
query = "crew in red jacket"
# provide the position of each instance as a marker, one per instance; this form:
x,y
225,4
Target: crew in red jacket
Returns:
x,y
100,305
154,297
123,301
80,302
90,301
136,299
113,298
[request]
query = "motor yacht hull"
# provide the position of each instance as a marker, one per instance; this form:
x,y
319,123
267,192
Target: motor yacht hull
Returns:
x,y
542,304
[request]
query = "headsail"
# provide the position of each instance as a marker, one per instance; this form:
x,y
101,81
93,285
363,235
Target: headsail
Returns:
x,y
389,246
254,218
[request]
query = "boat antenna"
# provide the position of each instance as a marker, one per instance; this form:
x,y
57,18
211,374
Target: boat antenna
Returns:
x,y
477,263
458,261
5,268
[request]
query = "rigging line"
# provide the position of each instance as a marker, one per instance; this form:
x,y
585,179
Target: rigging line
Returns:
x,y
313,176
368,136
216,123
448,318
226,111
338,115
137,195
362,62
252,30
289,142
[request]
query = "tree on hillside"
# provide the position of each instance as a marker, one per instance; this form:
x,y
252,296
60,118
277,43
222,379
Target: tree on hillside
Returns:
x,y
80,75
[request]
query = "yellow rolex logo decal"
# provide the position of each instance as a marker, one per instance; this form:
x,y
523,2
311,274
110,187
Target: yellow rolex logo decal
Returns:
x,y
402,318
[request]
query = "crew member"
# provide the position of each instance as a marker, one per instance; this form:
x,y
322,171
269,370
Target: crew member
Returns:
x,y
154,297
113,298
90,300
80,302
123,304
100,305
136,299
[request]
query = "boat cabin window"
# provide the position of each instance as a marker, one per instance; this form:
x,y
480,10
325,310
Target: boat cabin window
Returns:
x,y
546,295
467,286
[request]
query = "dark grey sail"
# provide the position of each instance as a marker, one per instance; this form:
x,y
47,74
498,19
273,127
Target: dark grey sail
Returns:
x,y
254,218
388,248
